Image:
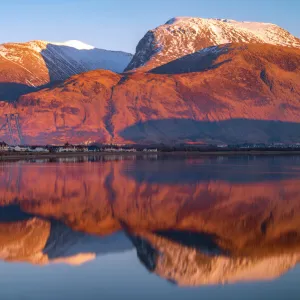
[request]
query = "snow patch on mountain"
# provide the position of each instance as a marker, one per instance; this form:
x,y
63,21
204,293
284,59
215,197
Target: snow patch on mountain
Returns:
x,y
232,30
76,44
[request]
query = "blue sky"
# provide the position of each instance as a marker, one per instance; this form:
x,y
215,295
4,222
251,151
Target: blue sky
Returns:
x,y
120,24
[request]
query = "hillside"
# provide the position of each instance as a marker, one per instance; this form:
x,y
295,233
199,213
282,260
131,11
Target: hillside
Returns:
x,y
226,94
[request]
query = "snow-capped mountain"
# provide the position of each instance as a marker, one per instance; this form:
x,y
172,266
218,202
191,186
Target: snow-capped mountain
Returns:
x,y
185,35
26,66
68,58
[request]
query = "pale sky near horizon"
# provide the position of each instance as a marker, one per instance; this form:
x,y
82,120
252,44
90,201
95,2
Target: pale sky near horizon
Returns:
x,y
120,24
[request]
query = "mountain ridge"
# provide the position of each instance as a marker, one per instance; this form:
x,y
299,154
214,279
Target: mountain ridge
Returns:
x,y
32,65
185,35
203,80
215,104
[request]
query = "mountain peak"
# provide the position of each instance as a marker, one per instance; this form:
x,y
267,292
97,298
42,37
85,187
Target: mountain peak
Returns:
x,y
181,36
183,19
176,19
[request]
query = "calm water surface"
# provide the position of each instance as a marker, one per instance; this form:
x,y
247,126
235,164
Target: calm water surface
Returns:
x,y
150,227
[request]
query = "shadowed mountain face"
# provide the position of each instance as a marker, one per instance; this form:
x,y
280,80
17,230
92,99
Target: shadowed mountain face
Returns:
x,y
10,91
231,94
235,131
221,219
196,62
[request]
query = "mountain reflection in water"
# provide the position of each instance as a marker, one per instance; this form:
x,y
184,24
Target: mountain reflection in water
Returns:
x,y
192,221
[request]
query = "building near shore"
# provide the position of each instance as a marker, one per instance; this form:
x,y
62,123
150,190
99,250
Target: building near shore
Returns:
x,y
20,148
118,150
150,150
66,148
39,149
4,147
70,148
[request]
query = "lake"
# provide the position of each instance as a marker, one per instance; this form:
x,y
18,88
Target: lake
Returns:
x,y
150,227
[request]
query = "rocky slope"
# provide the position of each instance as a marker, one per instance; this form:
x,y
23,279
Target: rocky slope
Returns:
x,y
226,94
24,67
185,35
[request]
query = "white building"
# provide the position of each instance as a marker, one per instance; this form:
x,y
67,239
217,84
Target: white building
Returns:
x,y
39,149
20,148
118,150
150,150
67,148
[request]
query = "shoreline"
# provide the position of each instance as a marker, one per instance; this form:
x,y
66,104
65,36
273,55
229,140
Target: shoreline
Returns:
x,y
29,156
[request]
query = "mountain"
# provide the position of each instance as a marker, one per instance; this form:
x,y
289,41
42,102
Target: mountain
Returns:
x,y
185,35
24,67
43,242
199,80
189,266
223,94
39,242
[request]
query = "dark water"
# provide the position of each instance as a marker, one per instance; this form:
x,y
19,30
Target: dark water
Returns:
x,y
150,227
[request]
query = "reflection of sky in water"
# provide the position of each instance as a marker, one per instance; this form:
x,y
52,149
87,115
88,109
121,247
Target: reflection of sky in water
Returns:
x,y
121,276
